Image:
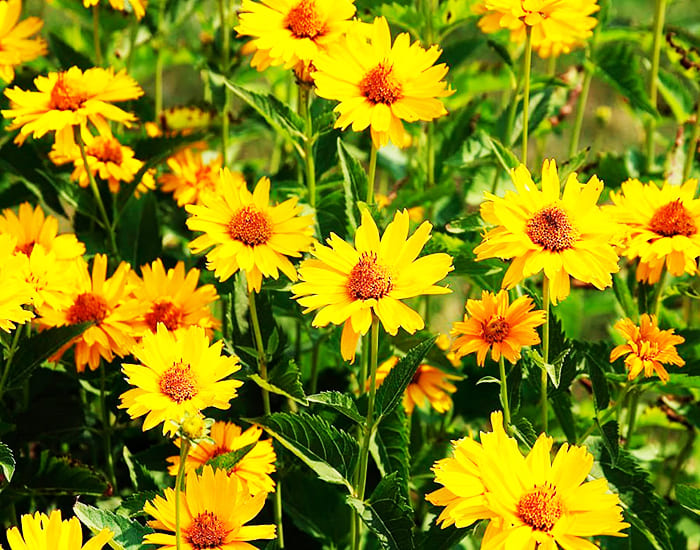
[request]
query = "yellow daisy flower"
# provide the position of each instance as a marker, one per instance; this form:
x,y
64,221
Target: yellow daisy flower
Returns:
x,y
541,231
493,323
180,374
253,469
42,532
16,46
15,292
191,176
70,98
379,84
648,347
662,226
214,510
530,501
557,26
52,280
350,284
248,233
138,6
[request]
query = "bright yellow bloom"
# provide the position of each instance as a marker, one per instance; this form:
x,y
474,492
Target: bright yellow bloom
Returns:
x,y
248,233
557,26
42,532
70,98
179,375
15,292
662,226
138,6
16,46
253,469
530,501
541,231
52,280
191,176
648,347
491,323
214,510
348,285
379,85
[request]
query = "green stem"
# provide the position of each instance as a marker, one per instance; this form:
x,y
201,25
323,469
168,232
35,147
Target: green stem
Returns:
x,y
96,34
160,60
632,416
545,353
659,291
504,392
580,110
184,450
659,16
106,428
527,65
133,31
431,153
315,349
694,138
305,113
10,355
225,60
372,172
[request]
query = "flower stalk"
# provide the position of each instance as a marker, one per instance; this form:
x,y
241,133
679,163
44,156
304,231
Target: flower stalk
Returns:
x,y
96,34
527,66
659,17
372,172
545,354
309,164
184,450
504,393
225,62
693,146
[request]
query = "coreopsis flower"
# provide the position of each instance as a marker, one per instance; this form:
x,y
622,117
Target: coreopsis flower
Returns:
x,y
16,46
253,469
379,84
529,501
191,177
348,285
248,233
493,323
69,99
214,511
662,226
42,532
541,231
556,26
647,347
137,6
179,375
52,280
15,292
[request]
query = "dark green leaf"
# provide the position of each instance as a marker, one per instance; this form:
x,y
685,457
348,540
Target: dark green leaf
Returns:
x,y
601,393
624,297
355,182
561,404
7,461
689,497
611,439
141,477
61,476
341,402
515,378
67,55
524,431
228,460
284,379
438,538
128,533
133,504
390,448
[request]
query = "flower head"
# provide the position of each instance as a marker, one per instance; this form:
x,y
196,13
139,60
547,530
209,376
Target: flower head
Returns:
x,y
530,501
541,231
249,233
42,532
350,284
138,6
15,292
16,46
647,347
191,177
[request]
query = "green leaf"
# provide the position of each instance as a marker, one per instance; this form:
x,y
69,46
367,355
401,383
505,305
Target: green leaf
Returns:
x,y
141,477
284,379
389,448
328,451
689,497
133,504
611,439
601,393
505,156
561,404
65,476
471,223
438,538
7,461
524,431
128,533
624,297
355,182
228,460
515,378
341,402
67,55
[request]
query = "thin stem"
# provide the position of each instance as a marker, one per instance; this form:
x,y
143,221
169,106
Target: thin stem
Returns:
x,y
160,60
310,167
504,392
10,355
527,65
184,450
580,109
695,137
133,30
106,428
545,352
225,61
431,153
278,513
372,172
659,16
632,416
96,34
659,292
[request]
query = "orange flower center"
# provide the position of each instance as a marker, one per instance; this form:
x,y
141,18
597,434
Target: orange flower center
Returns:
x,y
178,384
304,21
166,313
25,248
496,330
250,226
673,219
551,229
207,531
541,508
87,307
368,279
380,86
105,150
64,97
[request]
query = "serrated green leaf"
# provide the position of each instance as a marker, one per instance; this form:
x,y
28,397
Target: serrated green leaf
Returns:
x,y
133,504
355,182
601,393
128,533
340,402
7,461
141,477
64,476
611,439
689,497
284,379
505,156
228,460
389,448
624,297
561,405
524,431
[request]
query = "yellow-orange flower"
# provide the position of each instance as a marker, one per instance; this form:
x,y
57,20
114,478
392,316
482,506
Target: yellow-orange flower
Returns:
x,y
191,177
42,532
647,347
138,6
16,46
15,292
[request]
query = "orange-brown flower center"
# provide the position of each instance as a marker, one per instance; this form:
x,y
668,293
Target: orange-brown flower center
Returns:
x,y
178,383
380,86
64,97
541,508
250,226
164,312
551,229
87,307
304,21
368,279
105,150
495,330
673,219
207,531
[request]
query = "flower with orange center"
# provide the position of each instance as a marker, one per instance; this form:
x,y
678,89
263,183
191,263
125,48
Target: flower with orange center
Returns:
x,y
348,285
647,347
661,226
214,510
42,532
248,233
530,502
69,99
541,231
253,469
191,177
179,375
556,26
16,46
137,6
379,84
492,323
15,292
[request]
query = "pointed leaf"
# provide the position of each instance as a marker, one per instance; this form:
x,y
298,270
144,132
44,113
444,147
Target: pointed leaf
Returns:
x,y
128,533
611,439
284,379
7,461
355,182
133,504
689,497
601,393
65,476
340,402
228,460
389,448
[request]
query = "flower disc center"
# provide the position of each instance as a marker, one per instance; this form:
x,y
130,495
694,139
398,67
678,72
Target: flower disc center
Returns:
x,y
250,226
105,150
166,313
673,219
87,307
178,384
304,21
207,531
380,86
496,330
368,279
64,97
551,229
541,508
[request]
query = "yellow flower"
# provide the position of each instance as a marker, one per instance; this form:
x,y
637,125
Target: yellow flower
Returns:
x,y
70,98
248,233
556,25
379,85
253,469
662,226
491,323
15,45
350,284
541,231
15,292
180,374
138,6
42,532
191,176
530,501
648,347
52,280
